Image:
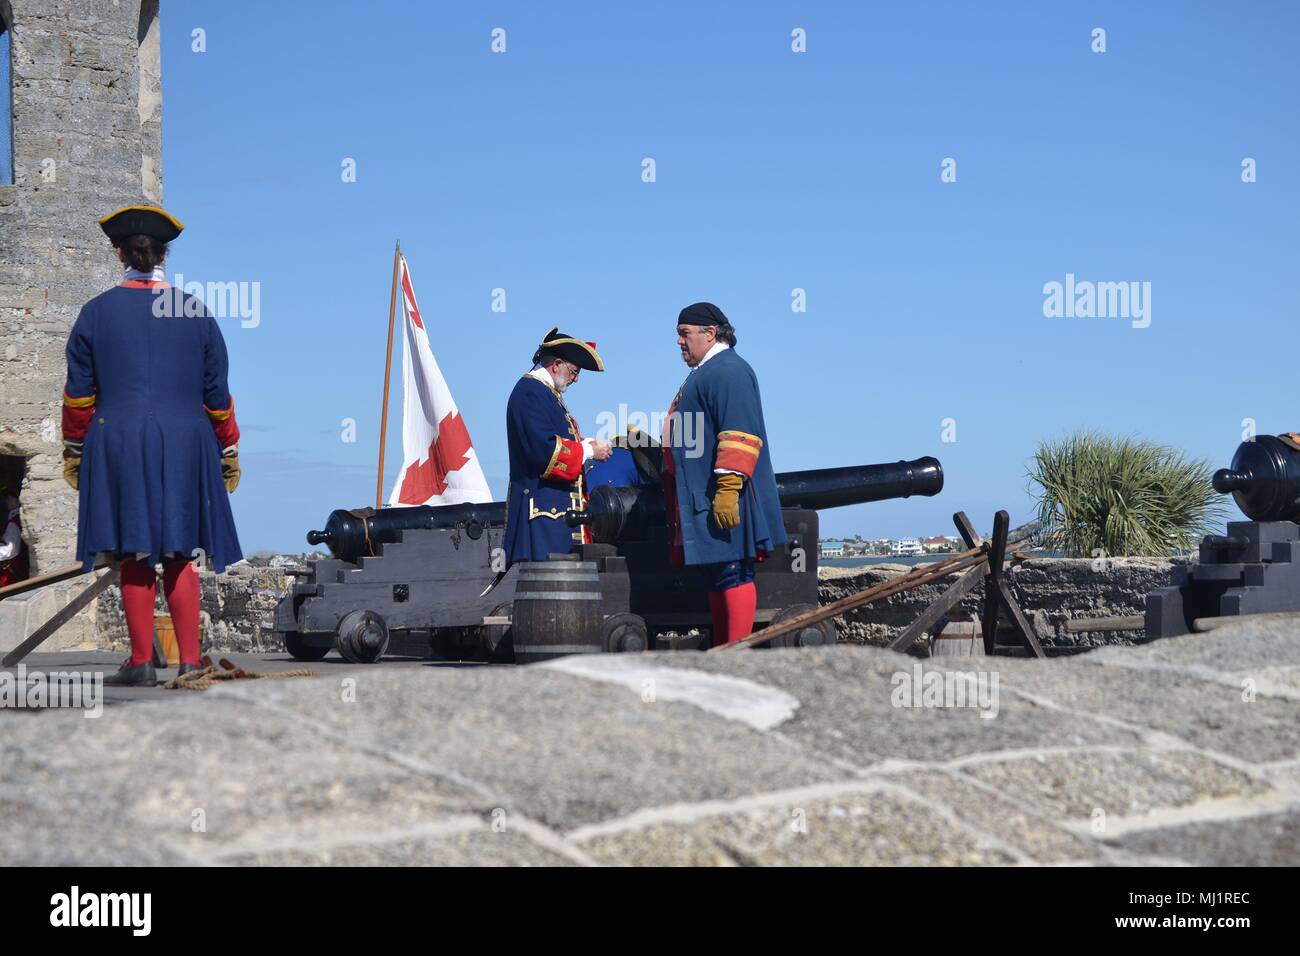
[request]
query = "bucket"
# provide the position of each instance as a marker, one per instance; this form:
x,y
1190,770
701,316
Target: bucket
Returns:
x,y
166,634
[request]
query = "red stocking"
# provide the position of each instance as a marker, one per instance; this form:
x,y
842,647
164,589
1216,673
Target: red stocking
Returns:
x,y
139,587
741,601
181,586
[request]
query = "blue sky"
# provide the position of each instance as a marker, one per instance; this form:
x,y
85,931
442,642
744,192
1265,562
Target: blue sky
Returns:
x,y
775,171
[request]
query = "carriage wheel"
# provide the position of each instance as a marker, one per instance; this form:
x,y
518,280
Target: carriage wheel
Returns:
x,y
300,650
624,633
362,637
814,635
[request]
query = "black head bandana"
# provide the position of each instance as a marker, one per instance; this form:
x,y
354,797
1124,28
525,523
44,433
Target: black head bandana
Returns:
x,y
703,313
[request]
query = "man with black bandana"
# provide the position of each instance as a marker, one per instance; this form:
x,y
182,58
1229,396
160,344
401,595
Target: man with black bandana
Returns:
x,y
723,508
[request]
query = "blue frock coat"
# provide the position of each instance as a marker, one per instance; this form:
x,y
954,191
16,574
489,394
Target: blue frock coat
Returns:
x,y
535,418
150,477
722,396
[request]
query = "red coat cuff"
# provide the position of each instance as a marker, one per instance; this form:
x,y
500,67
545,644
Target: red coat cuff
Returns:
x,y
224,426
566,461
738,451
77,413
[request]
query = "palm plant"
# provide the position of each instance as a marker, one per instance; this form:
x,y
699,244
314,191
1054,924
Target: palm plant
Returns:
x,y
1122,496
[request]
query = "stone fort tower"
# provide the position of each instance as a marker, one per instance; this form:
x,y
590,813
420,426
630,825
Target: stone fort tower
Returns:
x,y
82,95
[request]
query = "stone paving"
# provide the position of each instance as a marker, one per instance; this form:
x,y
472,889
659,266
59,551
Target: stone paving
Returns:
x,y
1184,751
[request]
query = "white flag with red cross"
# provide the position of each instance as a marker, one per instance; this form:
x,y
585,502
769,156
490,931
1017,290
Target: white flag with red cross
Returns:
x,y
439,465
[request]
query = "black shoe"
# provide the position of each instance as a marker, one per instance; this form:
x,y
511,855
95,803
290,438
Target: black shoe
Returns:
x,y
142,675
186,668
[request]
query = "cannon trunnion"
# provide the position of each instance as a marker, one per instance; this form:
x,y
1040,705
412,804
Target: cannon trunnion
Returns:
x,y
432,582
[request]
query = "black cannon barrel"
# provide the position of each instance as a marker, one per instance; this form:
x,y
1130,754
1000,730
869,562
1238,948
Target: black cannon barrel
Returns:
x,y
1264,479
836,487
354,534
615,512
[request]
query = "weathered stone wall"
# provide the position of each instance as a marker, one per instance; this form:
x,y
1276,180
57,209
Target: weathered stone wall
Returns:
x,y
1050,590
239,605
87,139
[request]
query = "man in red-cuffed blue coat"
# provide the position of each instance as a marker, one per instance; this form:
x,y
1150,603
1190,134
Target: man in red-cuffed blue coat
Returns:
x,y
547,451
150,439
724,511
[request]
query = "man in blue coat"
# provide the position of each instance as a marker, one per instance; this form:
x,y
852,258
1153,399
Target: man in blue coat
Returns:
x,y
150,438
547,451
723,508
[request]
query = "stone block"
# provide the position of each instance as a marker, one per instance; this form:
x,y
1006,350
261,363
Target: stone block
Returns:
x,y
15,297
22,614
1121,785
880,829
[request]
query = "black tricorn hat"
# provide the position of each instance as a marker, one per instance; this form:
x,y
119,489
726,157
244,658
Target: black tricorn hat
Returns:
x,y
580,353
141,221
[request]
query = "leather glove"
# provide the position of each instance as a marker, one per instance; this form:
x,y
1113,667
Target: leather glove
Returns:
x,y
230,471
72,466
726,501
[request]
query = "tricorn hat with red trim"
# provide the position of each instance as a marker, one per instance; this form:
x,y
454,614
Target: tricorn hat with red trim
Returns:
x,y
580,353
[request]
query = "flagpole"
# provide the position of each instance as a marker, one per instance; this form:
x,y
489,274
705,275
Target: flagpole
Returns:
x,y
388,370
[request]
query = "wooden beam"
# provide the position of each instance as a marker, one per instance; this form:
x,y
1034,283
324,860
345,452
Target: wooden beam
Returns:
x,y
921,574
938,608
52,577
997,552
43,633
966,530
1203,624
1018,620
1084,625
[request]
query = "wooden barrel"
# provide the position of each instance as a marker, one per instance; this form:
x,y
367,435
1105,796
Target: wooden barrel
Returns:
x,y
557,610
166,631
958,639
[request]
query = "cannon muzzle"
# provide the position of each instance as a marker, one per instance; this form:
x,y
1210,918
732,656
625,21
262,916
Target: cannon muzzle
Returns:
x,y
1226,481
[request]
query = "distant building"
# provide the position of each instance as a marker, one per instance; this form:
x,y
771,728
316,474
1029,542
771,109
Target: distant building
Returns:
x,y
830,548
939,543
906,547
